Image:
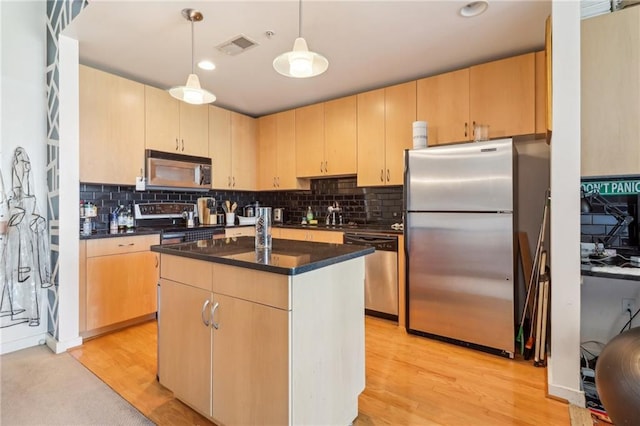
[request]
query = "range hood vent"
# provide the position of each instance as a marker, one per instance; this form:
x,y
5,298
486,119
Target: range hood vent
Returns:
x,y
236,45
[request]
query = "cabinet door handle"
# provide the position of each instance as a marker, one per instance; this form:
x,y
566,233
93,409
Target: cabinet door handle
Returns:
x,y
182,144
321,167
278,181
157,263
213,312
177,144
466,129
388,176
205,321
229,181
125,245
233,179
274,181
325,167
381,175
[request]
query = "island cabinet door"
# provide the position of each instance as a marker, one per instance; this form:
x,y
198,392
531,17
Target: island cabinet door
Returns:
x,y
184,341
251,361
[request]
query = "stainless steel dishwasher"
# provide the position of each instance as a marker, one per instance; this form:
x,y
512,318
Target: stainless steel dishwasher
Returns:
x,y
381,273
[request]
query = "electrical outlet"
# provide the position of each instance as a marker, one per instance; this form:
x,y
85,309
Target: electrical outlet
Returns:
x,y
628,304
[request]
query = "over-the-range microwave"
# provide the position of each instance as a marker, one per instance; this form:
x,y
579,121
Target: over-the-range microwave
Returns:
x,y
167,170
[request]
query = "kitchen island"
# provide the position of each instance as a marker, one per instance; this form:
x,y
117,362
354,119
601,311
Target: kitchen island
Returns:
x,y
252,336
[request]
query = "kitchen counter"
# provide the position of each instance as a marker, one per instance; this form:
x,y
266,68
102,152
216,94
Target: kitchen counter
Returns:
x,y
105,233
364,228
145,230
286,257
270,336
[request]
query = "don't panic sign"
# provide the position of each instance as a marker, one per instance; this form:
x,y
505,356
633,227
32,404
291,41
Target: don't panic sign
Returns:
x,y
612,187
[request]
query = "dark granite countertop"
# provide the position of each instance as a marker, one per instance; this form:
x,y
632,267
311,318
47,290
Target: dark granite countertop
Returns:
x,y
146,230
105,233
286,257
364,228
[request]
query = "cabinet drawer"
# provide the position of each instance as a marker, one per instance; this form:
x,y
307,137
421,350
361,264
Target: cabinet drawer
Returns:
x,y
119,245
196,273
255,286
242,231
315,236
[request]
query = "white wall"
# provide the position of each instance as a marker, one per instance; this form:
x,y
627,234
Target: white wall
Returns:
x,y
68,293
564,362
23,123
601,307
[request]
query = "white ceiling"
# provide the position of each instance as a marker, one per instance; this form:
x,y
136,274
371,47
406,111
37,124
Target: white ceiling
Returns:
x,y
369,44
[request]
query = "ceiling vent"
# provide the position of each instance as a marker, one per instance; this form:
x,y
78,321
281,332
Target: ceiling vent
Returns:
x,y
237,44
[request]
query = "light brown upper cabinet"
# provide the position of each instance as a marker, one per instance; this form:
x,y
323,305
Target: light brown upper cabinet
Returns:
x,y
244,151
220,146
267,151
111,128
326,138
443,102
175,126
309,131
232,144
541,92
277,152
502,95
385,119
340,136
610,94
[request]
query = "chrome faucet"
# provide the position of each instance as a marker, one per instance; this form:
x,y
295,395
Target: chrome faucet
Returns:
x,y
331,215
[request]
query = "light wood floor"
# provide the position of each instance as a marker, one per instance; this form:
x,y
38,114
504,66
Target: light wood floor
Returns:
x,y
410,380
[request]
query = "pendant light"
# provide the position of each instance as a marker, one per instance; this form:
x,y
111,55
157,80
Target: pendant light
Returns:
x,y
300,62
191,92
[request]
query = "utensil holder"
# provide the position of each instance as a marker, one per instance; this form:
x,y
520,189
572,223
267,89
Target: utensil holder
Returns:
x,y
230,219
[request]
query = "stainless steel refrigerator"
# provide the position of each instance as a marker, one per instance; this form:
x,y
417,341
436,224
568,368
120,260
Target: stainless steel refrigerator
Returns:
x,y
460,238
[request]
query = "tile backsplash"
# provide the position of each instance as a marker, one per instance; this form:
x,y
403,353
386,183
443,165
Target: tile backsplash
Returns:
x,y
381,205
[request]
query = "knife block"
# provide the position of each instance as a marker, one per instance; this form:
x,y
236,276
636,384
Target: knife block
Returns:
x,y
204,212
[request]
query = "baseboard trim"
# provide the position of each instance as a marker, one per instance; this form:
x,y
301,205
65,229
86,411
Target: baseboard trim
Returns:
x,y
26,342
571,396
60,347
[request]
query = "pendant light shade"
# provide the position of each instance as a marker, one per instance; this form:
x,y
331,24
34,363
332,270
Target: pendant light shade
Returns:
x,y
192,92
300,62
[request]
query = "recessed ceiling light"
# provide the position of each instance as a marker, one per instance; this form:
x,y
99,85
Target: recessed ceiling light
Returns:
x,y
474,8
206,65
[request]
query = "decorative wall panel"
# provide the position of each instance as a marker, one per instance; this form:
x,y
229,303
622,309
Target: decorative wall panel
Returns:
x,y
59,14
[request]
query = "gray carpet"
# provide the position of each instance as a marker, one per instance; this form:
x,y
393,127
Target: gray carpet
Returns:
x,y
41,388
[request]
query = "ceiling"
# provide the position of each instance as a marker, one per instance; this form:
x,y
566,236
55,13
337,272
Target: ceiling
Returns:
x,y
369,44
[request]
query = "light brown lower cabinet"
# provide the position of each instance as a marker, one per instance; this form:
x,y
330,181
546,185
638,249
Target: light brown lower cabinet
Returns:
x,y
120,285
184,356
313,235
231,347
